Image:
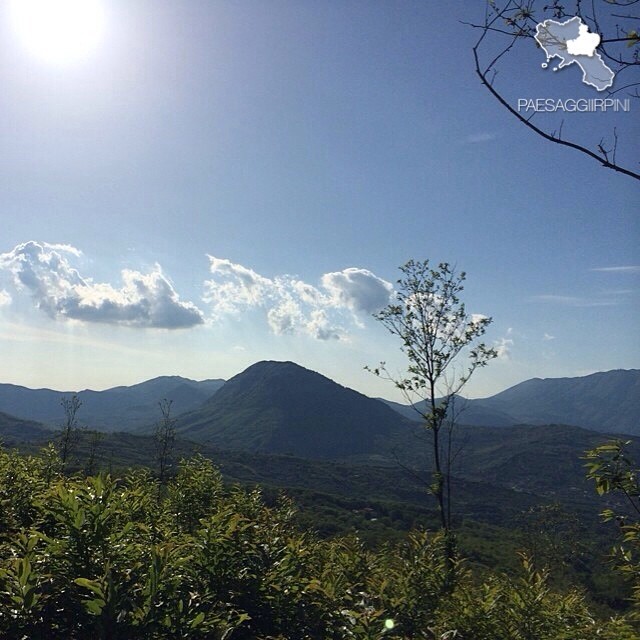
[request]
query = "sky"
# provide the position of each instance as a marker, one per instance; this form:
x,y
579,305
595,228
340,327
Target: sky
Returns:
x,y
201,185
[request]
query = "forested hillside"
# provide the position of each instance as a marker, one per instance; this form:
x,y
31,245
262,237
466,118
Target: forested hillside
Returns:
x,y
607,401
281,407
130,557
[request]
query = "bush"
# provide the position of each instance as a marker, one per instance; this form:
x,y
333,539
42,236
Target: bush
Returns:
x,y
133,558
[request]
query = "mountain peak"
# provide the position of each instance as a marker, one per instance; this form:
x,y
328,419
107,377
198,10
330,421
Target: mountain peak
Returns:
x,y
281,407
276,367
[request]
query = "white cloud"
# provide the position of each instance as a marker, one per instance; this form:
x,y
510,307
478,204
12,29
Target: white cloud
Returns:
x,y
478,317
547,337
319,327
63,248
58,289
286,318
235,287
308,293
292,306
357,289
503,348
5,298
504,345
633,268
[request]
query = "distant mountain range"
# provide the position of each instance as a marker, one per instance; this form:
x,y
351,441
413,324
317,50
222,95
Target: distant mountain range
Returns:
x,y
283,408
608,402
116,409
467,412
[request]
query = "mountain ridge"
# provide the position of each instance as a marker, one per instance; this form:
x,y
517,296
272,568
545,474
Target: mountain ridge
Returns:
x,y
607,401
14,430
116,408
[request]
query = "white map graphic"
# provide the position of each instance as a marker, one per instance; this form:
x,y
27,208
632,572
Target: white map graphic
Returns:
x,y
585,44
572,42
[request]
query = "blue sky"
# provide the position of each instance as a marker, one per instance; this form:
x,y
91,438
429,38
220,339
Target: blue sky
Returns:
x,y
218,183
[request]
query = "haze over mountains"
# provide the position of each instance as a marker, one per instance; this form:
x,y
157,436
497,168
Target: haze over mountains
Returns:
x,y
117,409
608,402
281,407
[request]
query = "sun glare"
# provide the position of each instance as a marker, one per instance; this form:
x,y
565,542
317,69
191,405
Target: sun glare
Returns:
x,y
59,31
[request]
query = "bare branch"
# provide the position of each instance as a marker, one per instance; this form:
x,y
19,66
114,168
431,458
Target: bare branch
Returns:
x,y
515,19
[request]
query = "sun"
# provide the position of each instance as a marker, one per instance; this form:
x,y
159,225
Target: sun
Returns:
x,y
59,31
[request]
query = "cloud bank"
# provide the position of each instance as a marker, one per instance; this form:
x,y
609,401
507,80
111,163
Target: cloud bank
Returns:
x,y
57,288
291,306
286,304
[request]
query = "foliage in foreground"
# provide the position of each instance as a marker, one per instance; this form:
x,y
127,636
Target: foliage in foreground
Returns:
x,y
615,472
129,557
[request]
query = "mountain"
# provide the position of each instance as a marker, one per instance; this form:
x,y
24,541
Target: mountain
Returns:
x,y
281,407
119,408
13,430
608,402
468,412
547,460
605,401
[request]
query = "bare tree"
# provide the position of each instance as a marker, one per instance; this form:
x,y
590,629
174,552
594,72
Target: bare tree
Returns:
x,y
69,431
437,335
94,441
508,24
165,436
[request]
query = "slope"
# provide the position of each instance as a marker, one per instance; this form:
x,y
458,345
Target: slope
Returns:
x,y
14,430
608,401
281,407
605,401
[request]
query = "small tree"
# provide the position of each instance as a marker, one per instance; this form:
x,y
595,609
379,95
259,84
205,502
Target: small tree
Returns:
x,y
69,432
435,329
164,436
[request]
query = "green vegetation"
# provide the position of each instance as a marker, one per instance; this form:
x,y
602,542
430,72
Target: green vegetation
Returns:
x,y
129,557
615,472
507,480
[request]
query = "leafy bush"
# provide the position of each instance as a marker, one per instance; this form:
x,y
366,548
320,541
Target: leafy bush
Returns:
x,y
133,558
